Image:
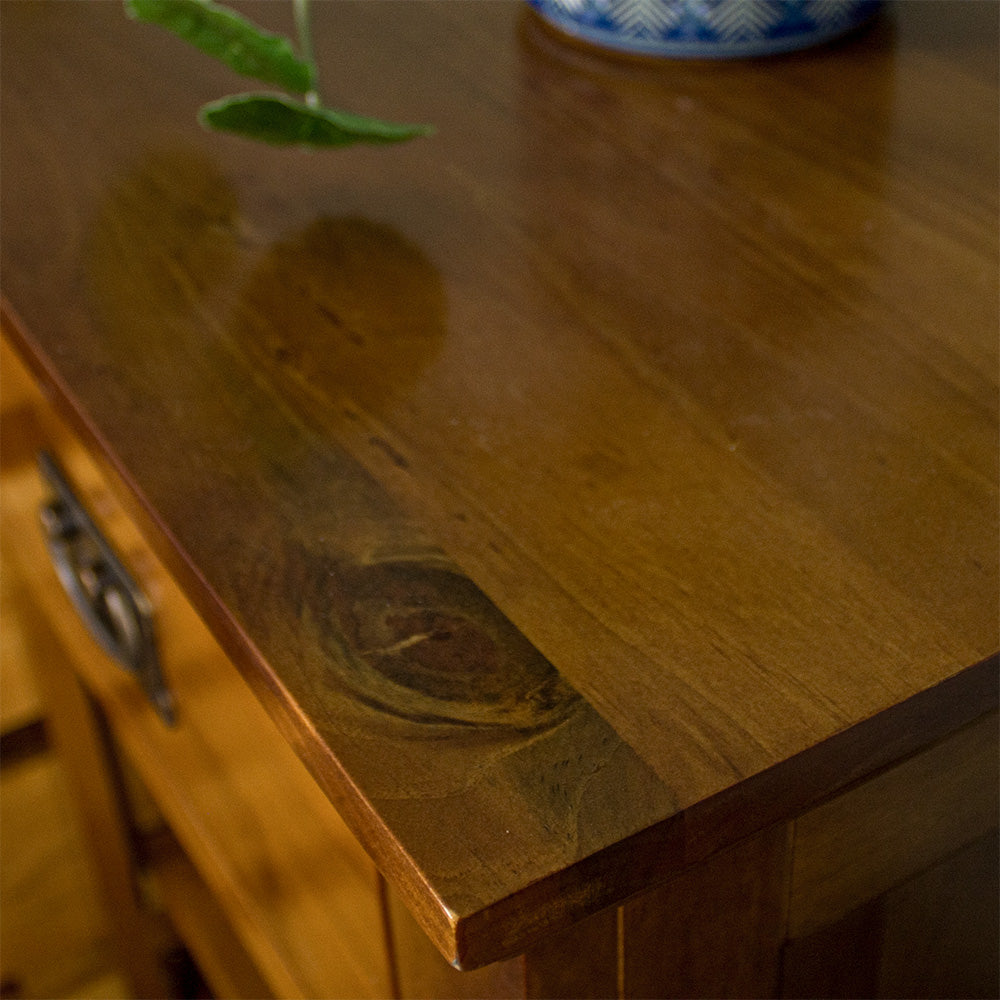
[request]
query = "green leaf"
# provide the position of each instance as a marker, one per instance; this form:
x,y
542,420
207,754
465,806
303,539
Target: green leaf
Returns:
x,y
238,43
284,122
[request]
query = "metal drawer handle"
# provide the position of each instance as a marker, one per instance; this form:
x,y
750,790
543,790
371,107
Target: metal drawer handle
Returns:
x,y
114,609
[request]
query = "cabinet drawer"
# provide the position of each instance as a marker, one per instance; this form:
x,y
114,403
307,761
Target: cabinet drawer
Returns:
x,y
247,828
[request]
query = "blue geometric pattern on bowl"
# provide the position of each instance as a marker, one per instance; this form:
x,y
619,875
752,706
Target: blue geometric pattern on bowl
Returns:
x,y
720,29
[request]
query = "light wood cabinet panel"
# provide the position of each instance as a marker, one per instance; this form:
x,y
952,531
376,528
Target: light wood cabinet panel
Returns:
x,y
298,891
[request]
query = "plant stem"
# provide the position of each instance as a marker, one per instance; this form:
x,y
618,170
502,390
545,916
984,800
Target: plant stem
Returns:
x,y
301,9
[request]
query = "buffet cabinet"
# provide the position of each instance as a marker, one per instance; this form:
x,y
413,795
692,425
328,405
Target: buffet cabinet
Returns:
x,y
552,558
207,831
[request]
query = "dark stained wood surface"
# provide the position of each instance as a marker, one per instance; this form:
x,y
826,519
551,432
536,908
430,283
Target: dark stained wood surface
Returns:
x,y
734,905
583,488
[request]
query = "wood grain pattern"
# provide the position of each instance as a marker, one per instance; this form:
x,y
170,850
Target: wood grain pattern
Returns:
x,y
623,455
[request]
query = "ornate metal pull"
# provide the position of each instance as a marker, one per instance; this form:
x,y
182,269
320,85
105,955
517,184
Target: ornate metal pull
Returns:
x,y
114,609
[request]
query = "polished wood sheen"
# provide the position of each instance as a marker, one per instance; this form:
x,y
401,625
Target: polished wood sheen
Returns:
x,y
583,489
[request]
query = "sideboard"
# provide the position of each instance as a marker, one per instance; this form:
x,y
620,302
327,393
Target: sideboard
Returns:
x,y
555,557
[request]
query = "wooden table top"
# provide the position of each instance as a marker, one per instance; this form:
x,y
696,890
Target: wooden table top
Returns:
x,y
583,487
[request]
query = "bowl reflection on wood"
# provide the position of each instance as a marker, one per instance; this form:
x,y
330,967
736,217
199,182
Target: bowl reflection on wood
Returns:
x,y
714,29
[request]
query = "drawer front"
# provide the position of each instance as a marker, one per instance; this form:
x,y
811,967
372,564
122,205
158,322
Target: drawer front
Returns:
x,y
252,832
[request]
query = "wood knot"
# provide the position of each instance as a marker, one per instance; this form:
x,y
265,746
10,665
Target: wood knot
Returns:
x,y
426,644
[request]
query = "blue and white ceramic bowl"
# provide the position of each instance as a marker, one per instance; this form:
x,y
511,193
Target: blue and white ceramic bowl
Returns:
x,y
719,29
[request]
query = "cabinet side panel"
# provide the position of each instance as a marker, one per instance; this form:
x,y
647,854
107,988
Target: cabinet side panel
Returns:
x,y
581,962
881,833
716,930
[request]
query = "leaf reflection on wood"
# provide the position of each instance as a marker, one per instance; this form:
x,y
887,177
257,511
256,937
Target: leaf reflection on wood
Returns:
x,y
254,351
